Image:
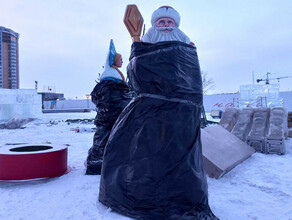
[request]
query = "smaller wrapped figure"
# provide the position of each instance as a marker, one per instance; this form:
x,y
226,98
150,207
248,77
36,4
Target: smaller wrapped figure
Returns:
x,y
110,96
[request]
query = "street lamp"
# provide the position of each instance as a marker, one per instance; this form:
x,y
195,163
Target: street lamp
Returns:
x,y
87,97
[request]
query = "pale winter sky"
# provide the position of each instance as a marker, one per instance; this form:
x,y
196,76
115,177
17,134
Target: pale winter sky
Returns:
x,y
63,44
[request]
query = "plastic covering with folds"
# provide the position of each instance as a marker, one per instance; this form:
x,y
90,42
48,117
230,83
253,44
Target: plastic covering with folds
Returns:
x,y
152,166
243,123
110,98
259,124
228,119
278,123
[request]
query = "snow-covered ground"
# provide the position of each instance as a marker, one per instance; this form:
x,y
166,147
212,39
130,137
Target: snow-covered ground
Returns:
x,y
260,188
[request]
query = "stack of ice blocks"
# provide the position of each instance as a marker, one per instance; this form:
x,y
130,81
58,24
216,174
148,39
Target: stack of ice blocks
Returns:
x,y
275,139
19,103
290,124
228,118
243,123
257,135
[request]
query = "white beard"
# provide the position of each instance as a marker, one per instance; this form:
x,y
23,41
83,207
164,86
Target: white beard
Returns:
x,y
157,34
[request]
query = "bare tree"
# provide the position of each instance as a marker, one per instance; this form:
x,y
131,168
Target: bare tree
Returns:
x,y
208,83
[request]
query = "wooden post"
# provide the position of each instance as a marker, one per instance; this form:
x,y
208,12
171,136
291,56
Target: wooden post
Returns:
x,y
134,22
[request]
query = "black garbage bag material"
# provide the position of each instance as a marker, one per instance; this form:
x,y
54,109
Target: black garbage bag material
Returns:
x,y
110,98
152,168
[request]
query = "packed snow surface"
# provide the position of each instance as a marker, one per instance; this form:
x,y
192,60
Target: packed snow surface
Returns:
x,y
260,188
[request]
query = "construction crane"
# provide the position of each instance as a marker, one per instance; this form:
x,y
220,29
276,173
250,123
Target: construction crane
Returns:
x,y
267,80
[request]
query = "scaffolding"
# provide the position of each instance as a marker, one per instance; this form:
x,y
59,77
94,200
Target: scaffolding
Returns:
x,y
258,102
266,95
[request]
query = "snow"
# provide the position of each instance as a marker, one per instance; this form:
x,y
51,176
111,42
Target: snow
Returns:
x,y
260,188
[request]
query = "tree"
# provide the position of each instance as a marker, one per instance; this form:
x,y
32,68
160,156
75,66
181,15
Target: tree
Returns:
x,y
208,83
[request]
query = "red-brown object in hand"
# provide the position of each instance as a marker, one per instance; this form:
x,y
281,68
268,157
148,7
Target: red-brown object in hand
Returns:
x,y
133,21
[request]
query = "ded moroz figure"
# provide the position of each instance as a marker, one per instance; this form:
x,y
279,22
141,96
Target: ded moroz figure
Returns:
x,y
153,167
165,27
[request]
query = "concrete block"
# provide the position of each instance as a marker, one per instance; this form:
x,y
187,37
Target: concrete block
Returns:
x,y
222,151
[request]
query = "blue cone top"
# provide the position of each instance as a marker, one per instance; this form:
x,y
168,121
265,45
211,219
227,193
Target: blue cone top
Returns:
x,y
112,53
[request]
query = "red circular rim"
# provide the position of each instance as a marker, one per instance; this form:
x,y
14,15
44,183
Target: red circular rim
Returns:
x,y
32,162
36,179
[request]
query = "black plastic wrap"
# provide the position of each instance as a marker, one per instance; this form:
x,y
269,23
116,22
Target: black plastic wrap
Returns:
x,y
110,98
153,166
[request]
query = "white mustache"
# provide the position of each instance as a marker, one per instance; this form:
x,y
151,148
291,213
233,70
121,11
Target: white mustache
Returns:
x,y
154,35
165,28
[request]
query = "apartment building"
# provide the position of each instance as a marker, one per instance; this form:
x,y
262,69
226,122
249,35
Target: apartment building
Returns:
x,y
9,59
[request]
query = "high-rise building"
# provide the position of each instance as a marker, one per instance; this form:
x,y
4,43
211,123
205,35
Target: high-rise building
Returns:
x,y
9,62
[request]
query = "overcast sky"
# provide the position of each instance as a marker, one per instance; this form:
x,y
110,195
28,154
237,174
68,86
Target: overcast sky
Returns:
x,y
64,44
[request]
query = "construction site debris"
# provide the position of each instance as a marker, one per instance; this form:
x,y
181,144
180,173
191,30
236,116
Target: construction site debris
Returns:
x,y
80,121
83,129
15,123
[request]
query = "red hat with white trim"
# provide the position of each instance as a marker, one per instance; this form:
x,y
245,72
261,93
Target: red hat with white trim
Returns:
x,y
165,11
